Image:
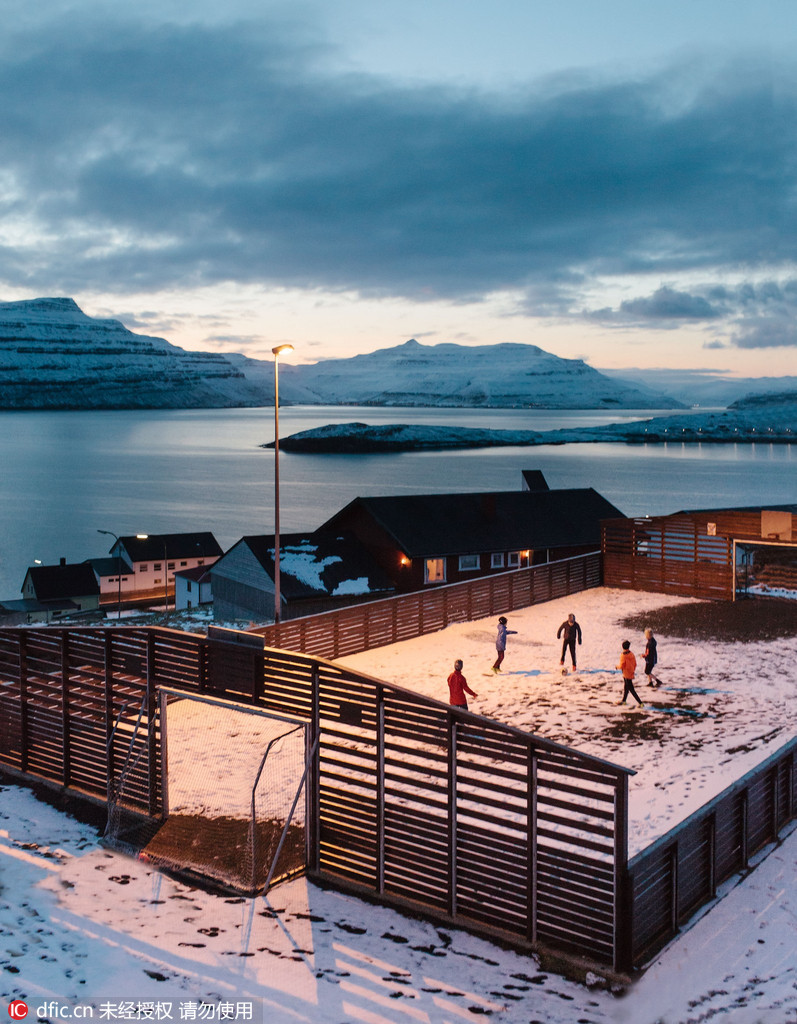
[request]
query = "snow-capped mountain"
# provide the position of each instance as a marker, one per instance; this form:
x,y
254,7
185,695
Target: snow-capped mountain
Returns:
x,y
487,376
54,356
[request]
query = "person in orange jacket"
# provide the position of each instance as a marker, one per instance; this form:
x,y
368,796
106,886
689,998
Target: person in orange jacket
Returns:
x,y
628,666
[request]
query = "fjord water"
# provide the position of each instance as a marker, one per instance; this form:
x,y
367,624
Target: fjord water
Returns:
x,y
65,475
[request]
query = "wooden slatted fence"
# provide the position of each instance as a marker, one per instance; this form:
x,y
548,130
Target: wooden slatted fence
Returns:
x,y
424,806
362,627
682,870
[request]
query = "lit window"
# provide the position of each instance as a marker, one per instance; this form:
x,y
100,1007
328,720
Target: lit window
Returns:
x,y
497,560
435,570
467,563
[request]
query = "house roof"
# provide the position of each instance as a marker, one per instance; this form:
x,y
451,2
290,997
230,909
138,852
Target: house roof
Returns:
x,y
109,566
61,582
177,545
27,605
198,574
317,564
427,525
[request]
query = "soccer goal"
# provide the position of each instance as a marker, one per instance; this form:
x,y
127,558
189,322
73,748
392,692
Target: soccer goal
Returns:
x,y
234,793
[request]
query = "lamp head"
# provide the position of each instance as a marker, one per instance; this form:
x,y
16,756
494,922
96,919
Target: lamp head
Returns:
x,y
279,349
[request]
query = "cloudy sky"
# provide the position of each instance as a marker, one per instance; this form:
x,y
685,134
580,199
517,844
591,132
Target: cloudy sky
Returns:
x,y
612,180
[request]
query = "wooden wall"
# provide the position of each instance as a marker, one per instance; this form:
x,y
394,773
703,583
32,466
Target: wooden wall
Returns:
x,y
672,555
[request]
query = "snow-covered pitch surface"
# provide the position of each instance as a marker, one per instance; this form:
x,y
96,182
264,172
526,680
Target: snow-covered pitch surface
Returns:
x,y
720,710
78,922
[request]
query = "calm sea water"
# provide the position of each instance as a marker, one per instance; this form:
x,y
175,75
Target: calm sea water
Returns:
x,y
65,475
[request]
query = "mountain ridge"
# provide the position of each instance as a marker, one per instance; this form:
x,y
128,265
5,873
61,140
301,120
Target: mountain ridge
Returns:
x,y
54,356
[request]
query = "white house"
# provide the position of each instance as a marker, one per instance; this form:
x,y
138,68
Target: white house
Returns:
x,y
153,561
192,587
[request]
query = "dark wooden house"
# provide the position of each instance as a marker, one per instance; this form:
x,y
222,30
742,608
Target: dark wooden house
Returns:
x,y
425,539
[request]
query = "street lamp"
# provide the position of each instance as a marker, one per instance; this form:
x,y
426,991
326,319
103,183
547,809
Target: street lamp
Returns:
x,y
118,572
277,350
145,536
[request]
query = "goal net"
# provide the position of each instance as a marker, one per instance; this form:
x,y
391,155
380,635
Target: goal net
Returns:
x,y
234,785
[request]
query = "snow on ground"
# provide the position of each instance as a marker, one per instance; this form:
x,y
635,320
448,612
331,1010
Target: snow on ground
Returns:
x,y
721,708
82,923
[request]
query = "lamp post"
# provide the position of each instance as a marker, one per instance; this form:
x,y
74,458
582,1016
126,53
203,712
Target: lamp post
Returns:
x,y
118,573
277,351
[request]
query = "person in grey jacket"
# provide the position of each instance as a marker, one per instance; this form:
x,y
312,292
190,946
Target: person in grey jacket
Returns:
x,y
500,643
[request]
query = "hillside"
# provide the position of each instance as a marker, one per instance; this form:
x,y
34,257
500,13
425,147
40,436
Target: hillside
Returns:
x,y
465,376
54,356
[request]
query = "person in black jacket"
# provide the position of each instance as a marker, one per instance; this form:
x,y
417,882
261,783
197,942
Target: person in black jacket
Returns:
x,y
571,631
651,657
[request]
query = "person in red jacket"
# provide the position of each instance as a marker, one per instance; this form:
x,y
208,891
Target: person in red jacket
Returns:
x,y
458,687
628,666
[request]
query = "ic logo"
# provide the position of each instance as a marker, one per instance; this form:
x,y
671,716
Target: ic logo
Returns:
x,y
17,1010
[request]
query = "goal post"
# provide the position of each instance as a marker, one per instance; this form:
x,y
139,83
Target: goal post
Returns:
x,y
233,780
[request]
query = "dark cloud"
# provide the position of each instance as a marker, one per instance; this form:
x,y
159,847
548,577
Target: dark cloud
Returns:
x,y
669,304
188,155
766,332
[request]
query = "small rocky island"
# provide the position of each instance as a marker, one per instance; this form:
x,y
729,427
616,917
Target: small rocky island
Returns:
x,y
769,419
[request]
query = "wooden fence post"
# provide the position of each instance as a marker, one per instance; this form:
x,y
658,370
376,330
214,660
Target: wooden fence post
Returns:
x,y
451,823
314,776
744,844
380,789
531,811
23,697
109,716
152,741
623,902
66,769
674,890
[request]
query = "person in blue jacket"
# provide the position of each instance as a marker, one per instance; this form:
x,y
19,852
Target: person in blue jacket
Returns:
x,y
500,643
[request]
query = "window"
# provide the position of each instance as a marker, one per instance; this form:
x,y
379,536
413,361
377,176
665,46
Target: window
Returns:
x,y
170,565
513,559
435,570
145,568
183,563
467,563
156,566
497,560
200,561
